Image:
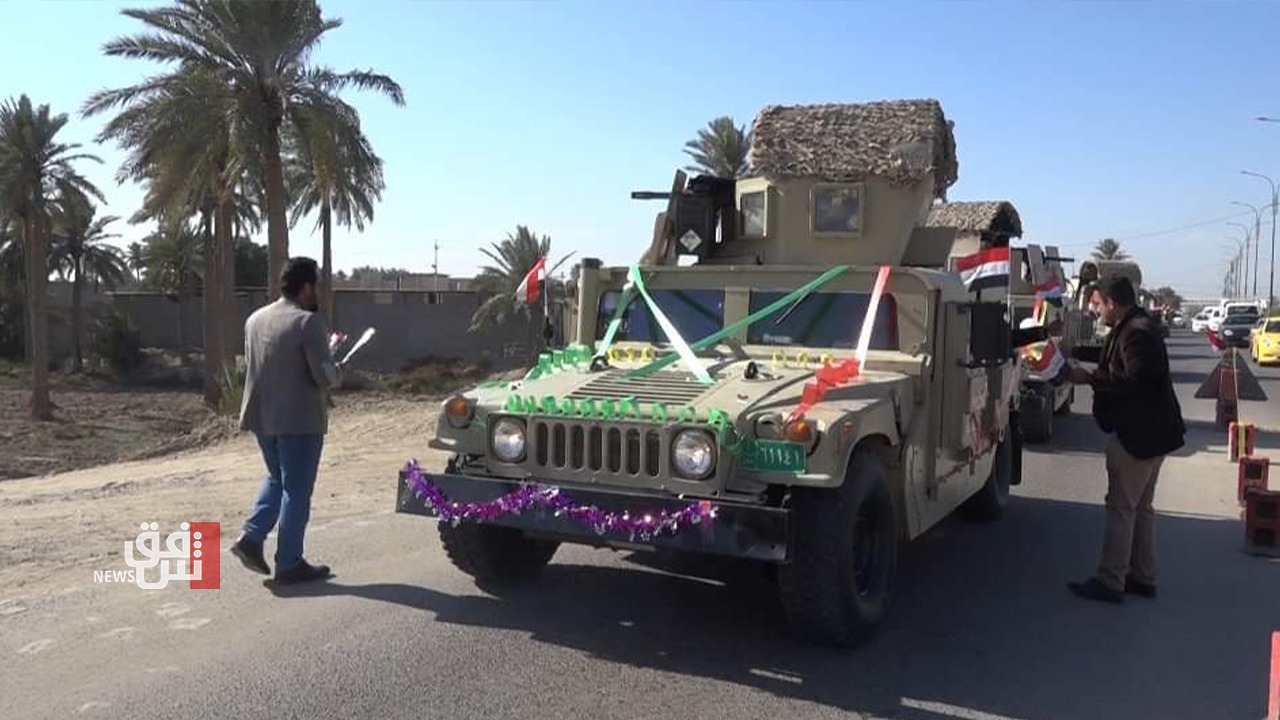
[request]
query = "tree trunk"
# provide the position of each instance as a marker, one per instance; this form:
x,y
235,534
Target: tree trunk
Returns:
x,y
230,314
77,313
37,278
277,223
25,244
326,267
213,335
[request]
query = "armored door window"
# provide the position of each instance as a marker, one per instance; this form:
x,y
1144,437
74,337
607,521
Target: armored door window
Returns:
x,y
753,211
836,209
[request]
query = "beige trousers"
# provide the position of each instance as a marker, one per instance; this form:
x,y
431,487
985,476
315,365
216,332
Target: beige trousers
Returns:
x,y
1129,548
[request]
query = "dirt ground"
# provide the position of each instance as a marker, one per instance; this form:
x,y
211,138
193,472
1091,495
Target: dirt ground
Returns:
x,y
55,530
96,422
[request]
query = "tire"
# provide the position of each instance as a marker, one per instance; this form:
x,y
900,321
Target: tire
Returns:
x,y
495,555
837,586
990,502
1036,415
1065,407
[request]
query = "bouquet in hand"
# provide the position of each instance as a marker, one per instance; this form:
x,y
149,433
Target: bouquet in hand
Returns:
x,y
336,340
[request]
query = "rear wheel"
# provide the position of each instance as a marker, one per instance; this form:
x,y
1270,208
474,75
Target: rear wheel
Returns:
x,y
495,555
836,588
1036,416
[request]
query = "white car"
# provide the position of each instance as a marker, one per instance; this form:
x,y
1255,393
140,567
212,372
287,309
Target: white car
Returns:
x,y
1214,318
1200,322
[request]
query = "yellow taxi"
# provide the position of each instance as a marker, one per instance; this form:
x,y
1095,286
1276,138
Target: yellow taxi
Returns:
x,y
1265,346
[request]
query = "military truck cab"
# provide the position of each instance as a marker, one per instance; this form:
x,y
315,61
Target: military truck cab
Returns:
x,y
791,374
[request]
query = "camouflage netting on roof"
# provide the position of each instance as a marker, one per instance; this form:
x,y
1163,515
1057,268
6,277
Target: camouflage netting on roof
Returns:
x,y
899,140
982,216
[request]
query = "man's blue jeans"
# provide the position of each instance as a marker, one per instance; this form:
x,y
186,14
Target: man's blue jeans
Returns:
x,y
285,495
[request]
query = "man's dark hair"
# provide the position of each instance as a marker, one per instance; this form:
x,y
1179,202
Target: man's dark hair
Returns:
x,y
298,272
1119,290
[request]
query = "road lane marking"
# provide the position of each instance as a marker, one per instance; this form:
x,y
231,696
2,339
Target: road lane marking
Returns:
x,y
952,711
35,647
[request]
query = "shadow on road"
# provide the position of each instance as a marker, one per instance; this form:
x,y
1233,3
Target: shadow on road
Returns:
x,y
982,621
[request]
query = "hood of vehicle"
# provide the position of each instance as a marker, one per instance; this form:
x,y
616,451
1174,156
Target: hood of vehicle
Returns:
x,y
732,392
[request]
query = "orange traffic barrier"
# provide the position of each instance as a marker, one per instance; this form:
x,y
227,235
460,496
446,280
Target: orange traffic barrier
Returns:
x,y
1262,523
1253,475
1240,440
1273,684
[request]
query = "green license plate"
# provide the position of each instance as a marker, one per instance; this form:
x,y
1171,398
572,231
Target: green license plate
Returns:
x,y
773,455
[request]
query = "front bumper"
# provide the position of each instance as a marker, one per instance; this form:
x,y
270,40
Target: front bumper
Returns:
x,y
738,529
1268,353
1235,340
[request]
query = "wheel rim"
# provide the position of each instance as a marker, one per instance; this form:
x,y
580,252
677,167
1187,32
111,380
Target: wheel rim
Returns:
x,y
868,548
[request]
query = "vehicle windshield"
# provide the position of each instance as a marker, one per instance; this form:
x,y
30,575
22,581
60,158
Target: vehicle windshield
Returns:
x,y
824,320
1273,326
1242,310
694,313
1241,319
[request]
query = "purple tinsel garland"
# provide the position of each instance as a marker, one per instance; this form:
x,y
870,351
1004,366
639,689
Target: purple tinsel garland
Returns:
x,y
534,496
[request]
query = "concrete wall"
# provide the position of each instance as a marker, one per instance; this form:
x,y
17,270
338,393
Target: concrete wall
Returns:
x,y
410,324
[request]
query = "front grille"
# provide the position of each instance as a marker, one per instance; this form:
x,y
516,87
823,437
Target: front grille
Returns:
x,y
621,449
667,387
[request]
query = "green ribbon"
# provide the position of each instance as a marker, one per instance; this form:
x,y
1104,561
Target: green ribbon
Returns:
x,y
624,301
761,314
683,351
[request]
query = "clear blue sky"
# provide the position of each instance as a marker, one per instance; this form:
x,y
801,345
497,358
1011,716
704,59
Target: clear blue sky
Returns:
x,y
1095,118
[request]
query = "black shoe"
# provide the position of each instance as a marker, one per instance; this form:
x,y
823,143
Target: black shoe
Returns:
x,y
1133,587
250,554
302,572
1092,589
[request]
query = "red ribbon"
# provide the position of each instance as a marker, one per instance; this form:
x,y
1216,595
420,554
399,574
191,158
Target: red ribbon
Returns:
x,y
832,375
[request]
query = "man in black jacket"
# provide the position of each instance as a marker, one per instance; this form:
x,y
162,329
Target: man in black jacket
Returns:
x,y
1133,401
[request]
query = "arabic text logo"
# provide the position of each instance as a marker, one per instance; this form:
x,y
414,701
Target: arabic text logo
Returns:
x,y
190,554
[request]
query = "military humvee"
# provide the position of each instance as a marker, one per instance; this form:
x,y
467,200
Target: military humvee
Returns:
x,y
1092,331
1043,394
791,375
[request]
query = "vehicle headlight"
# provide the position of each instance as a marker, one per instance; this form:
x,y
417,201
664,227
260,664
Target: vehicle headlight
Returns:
x,y
508,440
693,454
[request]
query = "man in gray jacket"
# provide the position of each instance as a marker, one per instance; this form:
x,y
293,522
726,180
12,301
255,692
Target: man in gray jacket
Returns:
x,y
289,374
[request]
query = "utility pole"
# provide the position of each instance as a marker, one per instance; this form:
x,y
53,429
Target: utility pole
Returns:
x,y
1257,230
1275,200
435,267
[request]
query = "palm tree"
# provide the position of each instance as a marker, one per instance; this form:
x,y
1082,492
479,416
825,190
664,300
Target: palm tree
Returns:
x,y
79,250
720,149
35,166
173,257
512,259
259,50
334,170
189,144
1109,249
136,265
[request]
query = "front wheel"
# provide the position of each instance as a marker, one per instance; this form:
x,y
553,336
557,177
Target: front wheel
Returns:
x,y
495,555
837,586
1036,416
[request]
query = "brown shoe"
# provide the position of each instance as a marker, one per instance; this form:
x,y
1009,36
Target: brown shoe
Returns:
x,y
1133,587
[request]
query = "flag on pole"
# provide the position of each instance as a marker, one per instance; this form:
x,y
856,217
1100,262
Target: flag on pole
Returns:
x,y
529,288
985,268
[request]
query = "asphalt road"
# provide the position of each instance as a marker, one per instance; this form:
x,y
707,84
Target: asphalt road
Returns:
x,y
982,628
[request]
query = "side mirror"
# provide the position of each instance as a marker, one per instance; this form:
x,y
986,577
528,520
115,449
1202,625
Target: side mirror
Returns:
x,y
990,341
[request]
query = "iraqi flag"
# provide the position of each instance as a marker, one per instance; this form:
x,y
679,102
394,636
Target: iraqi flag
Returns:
x,y
985,268
530,286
